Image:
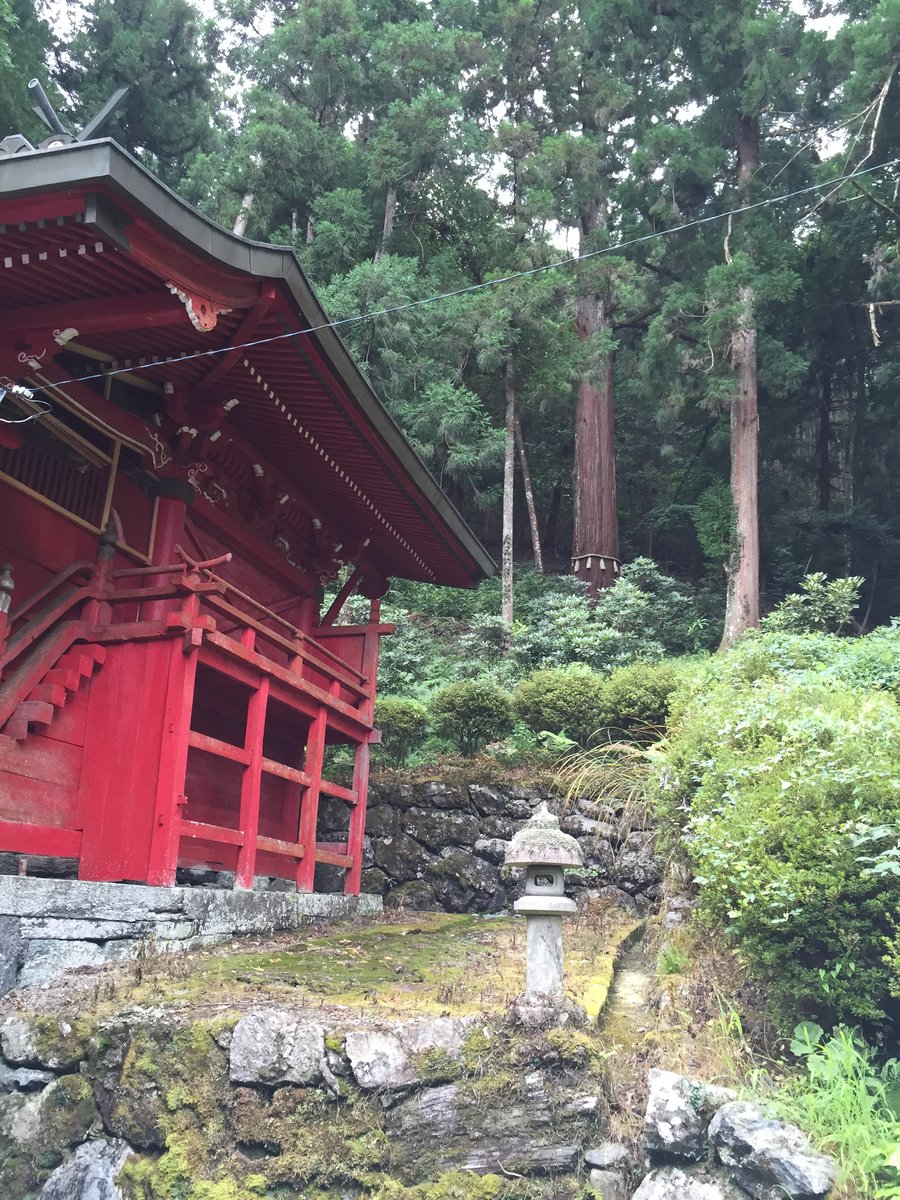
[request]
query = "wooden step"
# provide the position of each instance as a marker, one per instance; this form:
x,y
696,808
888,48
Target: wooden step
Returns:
x,y
29,712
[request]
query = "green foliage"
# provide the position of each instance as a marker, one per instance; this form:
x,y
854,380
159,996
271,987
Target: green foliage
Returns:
x,y
821,606
843,1099
672,960
587,706
565,700
473,713
637,696
403,724
773,760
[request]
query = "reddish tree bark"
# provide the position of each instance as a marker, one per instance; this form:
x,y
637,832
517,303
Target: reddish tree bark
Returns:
x,y
595,542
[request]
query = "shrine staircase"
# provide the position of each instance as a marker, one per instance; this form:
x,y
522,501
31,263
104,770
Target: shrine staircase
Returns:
x,y
53,650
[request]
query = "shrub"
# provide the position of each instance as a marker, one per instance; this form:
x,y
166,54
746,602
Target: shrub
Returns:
x,y
819,607
472,713
567,700
638,696
403,725
566,630
768,783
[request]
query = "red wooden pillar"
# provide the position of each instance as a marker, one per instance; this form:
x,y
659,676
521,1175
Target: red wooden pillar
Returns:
x,y
362,758
170,797
250,785
170,518
357,819
309,805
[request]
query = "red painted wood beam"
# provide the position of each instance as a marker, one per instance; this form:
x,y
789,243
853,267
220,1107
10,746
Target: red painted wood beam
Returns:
x,y
244,333
21,838
16,211
106,315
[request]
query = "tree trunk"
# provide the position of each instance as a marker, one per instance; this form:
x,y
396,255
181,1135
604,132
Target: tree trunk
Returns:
x,y
551,526
387,229
823,448
240,223
509,467
595,542
742,602
529,501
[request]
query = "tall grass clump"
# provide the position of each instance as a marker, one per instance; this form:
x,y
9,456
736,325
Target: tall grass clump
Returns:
x,y
844,1099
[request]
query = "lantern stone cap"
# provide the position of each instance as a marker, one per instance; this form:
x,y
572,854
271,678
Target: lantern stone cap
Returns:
x,y
541,842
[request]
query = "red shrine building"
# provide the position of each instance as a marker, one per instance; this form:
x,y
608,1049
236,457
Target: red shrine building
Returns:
x,y
170,679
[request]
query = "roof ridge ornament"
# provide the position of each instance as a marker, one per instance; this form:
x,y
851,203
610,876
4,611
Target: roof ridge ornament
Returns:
x,y
17,143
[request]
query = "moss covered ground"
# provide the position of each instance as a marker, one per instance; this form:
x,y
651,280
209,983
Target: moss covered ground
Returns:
x,y
152,1043
401,966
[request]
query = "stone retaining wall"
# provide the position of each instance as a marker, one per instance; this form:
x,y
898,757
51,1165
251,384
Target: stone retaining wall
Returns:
x,y
50,925
440,846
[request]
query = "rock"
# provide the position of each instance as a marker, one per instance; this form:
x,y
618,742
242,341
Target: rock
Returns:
x,y
637,866
392,795
694,1183
443,795
491,802
379,1059
89,1174
429,1116
607,1154
614,895
521,1158
272,1047
10,953
436,828
46,958
57,1050
768,1158
400,857
373,881
416,895
678,1112
608,1185
462,882
46,1122
23,1079
499,827
380,821
493,849
386,1058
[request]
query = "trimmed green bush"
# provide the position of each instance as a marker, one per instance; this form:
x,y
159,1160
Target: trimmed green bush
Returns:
x,y
566,700
473,713
403,724
638,696
769,777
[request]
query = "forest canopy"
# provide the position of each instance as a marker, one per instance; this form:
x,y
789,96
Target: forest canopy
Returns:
x,y
407,149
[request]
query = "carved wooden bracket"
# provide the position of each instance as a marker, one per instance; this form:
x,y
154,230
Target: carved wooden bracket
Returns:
x,y
202,312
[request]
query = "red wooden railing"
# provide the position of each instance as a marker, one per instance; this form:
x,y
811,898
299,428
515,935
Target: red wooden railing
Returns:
x,y
233,634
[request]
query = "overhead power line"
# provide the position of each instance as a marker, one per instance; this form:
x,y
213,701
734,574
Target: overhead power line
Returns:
x,y
488,283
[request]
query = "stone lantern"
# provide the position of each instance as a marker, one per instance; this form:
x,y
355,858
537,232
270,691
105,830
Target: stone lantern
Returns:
x,y
544,851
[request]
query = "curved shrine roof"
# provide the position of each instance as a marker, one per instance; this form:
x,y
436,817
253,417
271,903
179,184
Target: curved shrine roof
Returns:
x,y
91,241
